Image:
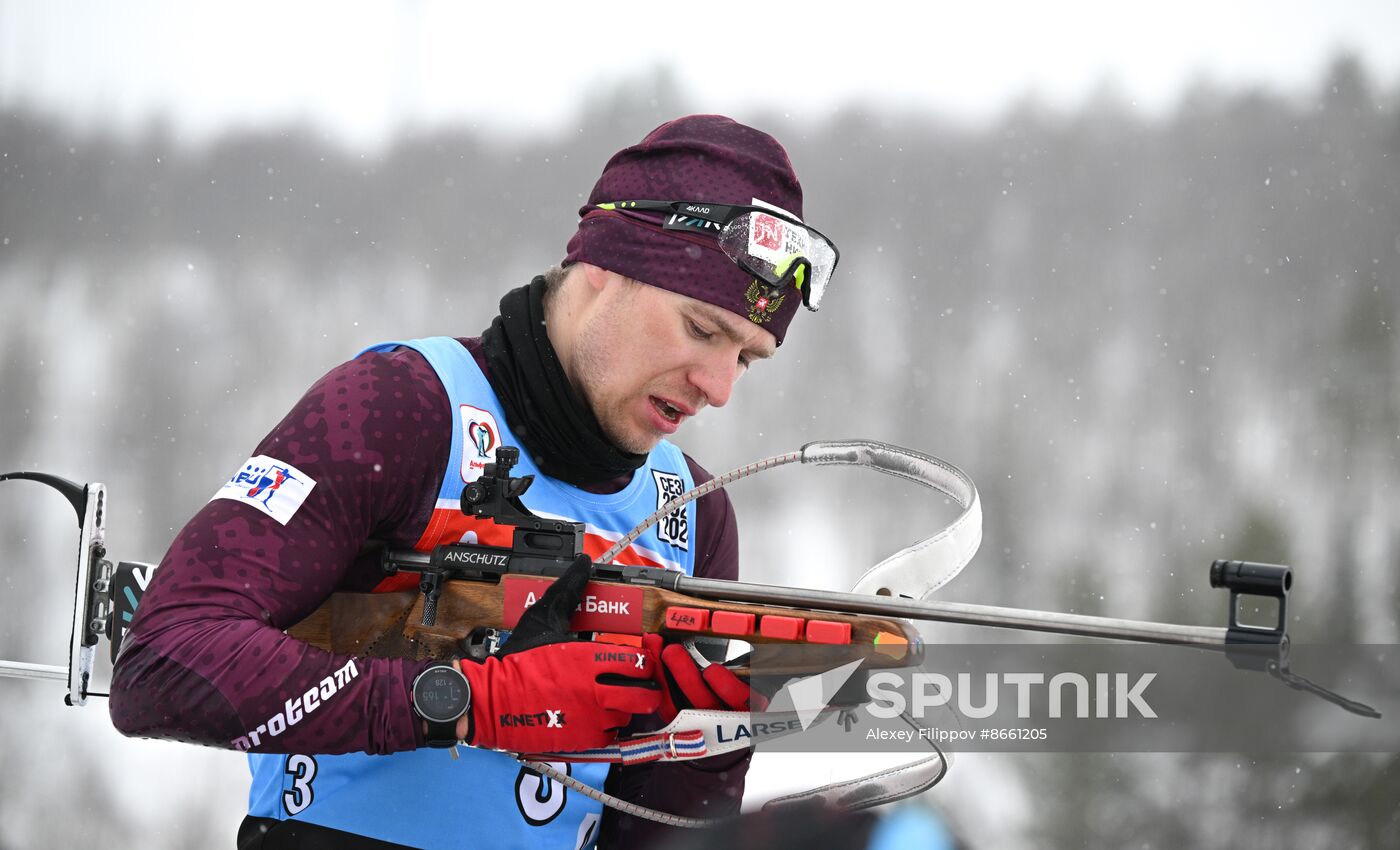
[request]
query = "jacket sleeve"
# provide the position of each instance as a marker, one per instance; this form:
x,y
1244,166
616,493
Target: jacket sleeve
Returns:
x,y
206,660
712,787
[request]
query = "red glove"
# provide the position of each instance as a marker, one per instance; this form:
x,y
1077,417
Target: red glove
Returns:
x,y
685,685
547,691
560,697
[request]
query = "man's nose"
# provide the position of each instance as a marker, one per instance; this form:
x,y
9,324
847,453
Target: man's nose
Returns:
x,y
715,378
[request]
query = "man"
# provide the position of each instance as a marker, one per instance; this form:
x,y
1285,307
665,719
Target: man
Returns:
x,y
688,265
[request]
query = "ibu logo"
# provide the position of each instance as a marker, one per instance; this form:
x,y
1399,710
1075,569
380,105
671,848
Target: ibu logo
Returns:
x,y
266,481
274,487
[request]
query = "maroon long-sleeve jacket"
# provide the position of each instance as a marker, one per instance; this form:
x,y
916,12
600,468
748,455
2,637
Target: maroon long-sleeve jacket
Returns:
x,y
206,656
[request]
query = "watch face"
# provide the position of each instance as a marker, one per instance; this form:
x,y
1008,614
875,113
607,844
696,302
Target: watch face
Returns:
x,y
441,694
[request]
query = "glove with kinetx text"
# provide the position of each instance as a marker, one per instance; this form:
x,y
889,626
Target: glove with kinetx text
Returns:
x,y
687,685
547,691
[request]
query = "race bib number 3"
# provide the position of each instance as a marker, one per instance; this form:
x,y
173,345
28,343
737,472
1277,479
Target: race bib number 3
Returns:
x,y
269,485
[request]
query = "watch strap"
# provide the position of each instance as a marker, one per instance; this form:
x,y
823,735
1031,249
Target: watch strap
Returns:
x,y
441,733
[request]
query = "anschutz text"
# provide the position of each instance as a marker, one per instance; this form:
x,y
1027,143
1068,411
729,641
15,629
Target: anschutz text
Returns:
x,y
486,559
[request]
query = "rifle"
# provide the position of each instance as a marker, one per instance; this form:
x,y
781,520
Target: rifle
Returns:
x,y
470,595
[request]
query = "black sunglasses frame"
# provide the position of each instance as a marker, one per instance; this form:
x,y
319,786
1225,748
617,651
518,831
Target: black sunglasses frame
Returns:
x,y
707,217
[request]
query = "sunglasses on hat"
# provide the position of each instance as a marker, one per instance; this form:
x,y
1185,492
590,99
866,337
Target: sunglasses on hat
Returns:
x,y
767,243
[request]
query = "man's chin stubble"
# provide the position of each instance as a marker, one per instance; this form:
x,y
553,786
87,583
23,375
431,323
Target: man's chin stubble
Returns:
x,y
639,446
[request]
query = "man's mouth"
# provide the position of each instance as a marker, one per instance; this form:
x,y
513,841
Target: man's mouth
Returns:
x,y
668,411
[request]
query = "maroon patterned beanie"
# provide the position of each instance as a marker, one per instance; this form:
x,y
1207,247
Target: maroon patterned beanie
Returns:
x,y
696,158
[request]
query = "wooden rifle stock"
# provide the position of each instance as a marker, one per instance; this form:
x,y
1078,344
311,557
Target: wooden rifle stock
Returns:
x,y
389,625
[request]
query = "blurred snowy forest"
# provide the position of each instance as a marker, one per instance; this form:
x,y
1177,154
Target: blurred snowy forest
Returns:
x,y
1152,341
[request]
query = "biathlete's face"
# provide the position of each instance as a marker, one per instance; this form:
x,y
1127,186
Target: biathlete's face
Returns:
x,y
647,359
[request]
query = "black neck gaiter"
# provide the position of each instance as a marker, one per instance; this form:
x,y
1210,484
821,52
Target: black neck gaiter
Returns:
x,y
561,434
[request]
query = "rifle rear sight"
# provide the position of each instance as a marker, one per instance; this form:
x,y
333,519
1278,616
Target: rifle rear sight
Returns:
x,y
539,546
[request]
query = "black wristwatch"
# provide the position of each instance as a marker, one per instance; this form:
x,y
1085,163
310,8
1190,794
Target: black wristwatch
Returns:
x,y
441,695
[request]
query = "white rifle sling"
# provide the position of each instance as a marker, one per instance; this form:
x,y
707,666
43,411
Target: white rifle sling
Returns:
x,y
922,568
702,734
876,789
913,572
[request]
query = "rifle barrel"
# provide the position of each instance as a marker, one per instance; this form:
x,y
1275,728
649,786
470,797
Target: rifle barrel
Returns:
x,y
956,612
1023,619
